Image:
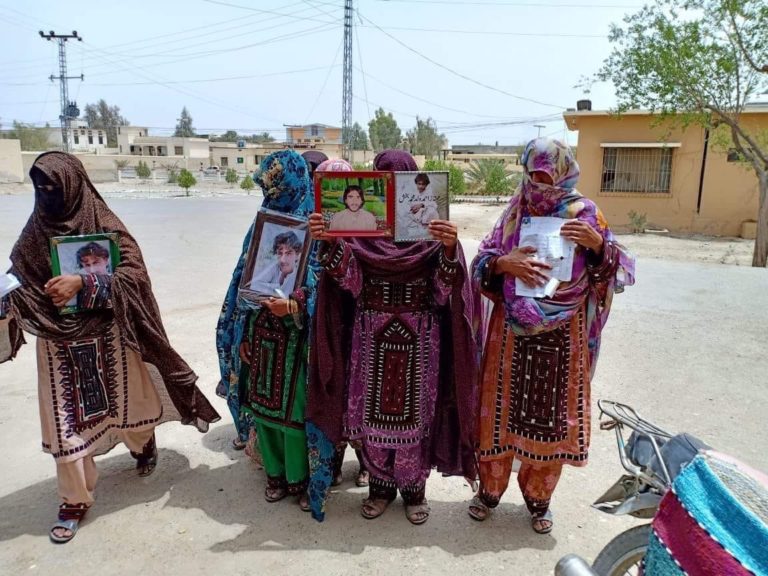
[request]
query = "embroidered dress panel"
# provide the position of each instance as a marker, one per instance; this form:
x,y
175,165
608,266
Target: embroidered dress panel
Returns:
x,y
274,383
93,392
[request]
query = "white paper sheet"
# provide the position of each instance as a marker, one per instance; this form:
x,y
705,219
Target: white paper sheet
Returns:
x,y
543,233
8,283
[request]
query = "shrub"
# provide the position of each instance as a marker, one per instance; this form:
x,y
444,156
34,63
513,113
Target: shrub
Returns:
x,y
247,183
143,171
231,176
186,180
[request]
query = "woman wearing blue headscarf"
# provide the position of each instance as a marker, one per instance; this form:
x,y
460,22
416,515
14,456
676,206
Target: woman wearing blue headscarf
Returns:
x,y
271,402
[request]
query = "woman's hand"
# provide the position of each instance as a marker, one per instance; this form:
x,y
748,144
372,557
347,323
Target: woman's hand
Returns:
x,y
62,289
245,353
278,306
446,232
519,264
416,207
583,234
317,226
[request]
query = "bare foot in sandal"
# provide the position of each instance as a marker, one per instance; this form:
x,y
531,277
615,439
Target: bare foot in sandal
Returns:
x,y
65,528
542,523
374,507
304,502
362,478
417,513
274,493
478,510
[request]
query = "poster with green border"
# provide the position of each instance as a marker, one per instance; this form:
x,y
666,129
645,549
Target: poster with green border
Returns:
x,y
66,259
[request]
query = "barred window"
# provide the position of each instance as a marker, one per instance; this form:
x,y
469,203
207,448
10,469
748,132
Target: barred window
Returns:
x,y
643,170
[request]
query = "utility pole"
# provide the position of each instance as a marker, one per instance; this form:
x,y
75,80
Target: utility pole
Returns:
x,y
539,126
69,109
346,115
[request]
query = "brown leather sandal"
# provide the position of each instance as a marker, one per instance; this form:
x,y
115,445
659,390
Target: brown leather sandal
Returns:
x,y
478,510
417,513
374,507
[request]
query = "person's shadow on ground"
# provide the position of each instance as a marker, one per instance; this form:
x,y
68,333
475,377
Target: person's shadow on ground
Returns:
x,y
233,495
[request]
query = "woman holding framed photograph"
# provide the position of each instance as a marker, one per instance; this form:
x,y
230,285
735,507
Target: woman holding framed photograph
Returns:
x,y
262,346
392,361
107,374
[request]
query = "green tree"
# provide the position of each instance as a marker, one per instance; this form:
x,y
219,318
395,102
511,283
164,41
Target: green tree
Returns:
x,y
32,138
247,183
424,139
102,116
143,171
228,136
358,139
231,176
186,180
699,62
262,138
184,128
491,177
384,131
457,185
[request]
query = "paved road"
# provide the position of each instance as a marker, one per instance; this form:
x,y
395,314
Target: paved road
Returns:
x,y
687,346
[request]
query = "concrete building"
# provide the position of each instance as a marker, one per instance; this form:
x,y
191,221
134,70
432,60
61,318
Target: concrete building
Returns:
x,y
461,155
135,141
679,179
311,135
246,158
81,138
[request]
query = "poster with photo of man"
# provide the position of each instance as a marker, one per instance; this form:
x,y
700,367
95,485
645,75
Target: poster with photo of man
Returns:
x,y
420,197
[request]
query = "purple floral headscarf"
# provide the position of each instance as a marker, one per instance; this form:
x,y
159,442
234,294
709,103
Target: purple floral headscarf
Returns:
x,y
527,315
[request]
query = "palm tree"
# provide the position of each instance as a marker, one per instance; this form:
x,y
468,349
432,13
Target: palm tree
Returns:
x,y
491,176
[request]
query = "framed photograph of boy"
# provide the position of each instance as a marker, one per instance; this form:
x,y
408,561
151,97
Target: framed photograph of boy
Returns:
x,y
420,197
356,203
89,254
277,257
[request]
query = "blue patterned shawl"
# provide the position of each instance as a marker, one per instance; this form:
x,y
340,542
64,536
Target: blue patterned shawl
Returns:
x,y
285,182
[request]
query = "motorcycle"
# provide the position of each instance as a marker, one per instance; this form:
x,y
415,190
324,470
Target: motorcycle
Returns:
x,y
652,458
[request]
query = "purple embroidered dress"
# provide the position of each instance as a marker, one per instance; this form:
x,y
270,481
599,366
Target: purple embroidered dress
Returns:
x,y
393,368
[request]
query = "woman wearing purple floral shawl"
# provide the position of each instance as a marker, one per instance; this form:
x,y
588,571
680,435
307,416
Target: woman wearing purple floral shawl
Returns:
x,y
393,362
539,354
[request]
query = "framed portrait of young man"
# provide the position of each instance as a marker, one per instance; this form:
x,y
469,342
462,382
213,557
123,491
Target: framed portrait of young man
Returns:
x,y
356,203
277,257
420,197
88,254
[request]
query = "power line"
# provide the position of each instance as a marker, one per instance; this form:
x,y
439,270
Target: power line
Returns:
x,y
134,55
520,4
495,33
459,74
421,99
365,84
325,82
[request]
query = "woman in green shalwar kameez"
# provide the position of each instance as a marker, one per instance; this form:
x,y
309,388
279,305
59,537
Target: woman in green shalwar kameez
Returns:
x,y
263,349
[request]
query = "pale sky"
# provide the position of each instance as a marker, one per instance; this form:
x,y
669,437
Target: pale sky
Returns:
x,y
486,71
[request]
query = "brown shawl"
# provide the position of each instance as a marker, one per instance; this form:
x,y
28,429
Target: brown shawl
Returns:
x,y
133,304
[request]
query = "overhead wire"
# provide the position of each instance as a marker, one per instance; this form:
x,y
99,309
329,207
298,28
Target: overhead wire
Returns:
x,y
325,82
459,74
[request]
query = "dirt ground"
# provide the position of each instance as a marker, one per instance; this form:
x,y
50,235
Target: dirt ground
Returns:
x,y
685,345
